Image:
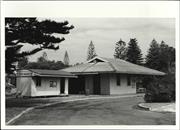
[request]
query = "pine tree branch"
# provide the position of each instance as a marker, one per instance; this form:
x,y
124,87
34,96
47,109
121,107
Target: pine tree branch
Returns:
x,y
27,53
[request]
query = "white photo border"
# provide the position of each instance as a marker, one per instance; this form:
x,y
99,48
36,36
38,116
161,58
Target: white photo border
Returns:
x,y
84,9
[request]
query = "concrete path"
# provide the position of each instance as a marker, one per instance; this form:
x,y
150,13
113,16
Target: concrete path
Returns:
x,y
159,107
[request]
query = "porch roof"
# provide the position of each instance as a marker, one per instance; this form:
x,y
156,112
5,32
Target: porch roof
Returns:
x,y
108,65
52,73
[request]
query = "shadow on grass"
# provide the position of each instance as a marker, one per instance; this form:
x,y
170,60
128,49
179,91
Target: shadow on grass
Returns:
x,y
26,102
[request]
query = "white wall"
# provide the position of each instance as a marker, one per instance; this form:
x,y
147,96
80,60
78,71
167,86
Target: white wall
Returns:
x,y
26,85
105,84
108,84
33,88
89,83
66,85
123,88
23,85
45,88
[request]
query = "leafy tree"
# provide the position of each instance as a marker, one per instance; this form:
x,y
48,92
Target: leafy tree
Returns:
x,y
159,90
160,57
66,58
22,31
78,63
91,51
43,58
43,63
51,65
23,62
120,50
134,54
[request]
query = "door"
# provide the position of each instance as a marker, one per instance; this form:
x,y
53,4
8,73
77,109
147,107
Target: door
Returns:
x,y
62,87
96,84
77,85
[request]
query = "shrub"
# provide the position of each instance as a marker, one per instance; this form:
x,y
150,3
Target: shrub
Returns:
x,y
157,96
160,89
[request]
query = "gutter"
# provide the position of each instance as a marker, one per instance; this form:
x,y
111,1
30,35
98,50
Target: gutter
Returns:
x,y
68,76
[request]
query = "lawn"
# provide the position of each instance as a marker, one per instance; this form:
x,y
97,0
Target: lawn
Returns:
x,y
120,111
14,106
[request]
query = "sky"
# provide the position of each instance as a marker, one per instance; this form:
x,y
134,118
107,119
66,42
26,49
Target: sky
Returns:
x,y
105,32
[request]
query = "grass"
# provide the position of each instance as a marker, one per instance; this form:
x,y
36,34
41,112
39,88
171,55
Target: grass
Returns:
x,y
96,112
14,106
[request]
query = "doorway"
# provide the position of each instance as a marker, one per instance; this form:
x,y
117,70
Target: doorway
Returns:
x,y
62,86
96,84
77,85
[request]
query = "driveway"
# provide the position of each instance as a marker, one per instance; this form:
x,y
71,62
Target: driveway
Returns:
x,y
120,111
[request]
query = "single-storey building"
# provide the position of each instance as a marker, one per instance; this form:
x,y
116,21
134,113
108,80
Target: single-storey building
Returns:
x,y
107,76
37,82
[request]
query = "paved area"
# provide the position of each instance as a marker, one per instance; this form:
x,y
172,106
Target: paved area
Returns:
x,y
115,111
159,107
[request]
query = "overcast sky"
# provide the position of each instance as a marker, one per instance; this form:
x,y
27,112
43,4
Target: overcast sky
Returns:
x,y
105,32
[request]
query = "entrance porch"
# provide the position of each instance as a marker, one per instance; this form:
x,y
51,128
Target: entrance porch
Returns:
x,y
103,84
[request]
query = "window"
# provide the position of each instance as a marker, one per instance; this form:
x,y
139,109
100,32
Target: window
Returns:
x,y
118,79
53,84
129,81
38,81
133,84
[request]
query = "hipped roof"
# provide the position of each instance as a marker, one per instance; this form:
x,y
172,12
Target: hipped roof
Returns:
x,y
51,73
108,65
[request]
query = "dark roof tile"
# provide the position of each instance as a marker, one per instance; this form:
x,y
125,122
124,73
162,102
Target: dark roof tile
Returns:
x,y
52,73
112,65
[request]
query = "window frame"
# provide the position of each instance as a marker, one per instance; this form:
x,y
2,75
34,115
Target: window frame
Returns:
x,y
128,80
118,80
38,81
53,84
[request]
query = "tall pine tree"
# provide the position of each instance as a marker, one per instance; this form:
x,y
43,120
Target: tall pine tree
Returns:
x,y
120,50
167,57
161,57
22,31
66,59
152,58
91,51
134,54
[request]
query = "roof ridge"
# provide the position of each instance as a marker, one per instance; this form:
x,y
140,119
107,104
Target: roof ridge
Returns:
x,y
98,57
31,70
88,67
111,65
109,62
